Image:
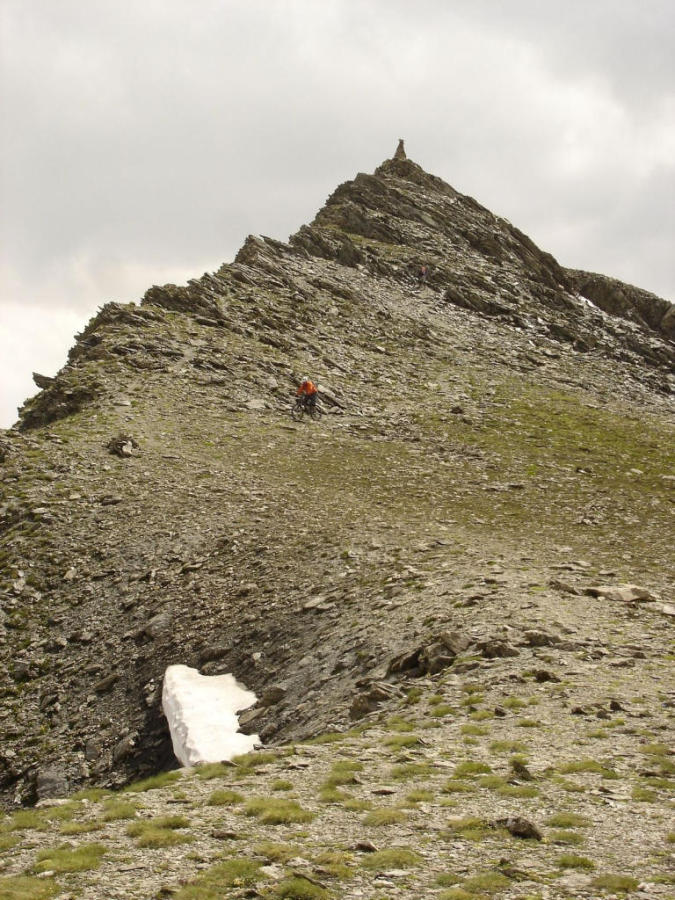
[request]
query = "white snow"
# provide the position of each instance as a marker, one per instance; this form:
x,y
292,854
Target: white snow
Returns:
x,y
202,714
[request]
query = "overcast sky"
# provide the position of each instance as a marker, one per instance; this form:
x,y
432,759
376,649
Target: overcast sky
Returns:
x,y
142,140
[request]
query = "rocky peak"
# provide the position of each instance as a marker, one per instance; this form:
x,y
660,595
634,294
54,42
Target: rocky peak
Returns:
x,y
158,505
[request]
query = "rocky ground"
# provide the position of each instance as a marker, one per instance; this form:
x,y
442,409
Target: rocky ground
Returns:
x,y
432,573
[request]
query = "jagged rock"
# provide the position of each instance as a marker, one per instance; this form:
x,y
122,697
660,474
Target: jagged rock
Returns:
x,y
520,827
368,700
400,150
42,381
622,593
537,638
496,648
541,676
432,657
51,782
123,445
158,625
273,694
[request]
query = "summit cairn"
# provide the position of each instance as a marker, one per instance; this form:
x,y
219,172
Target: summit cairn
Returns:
x,y
400,150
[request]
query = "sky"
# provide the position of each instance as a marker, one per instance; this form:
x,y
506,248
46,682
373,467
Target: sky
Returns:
x,y
142,140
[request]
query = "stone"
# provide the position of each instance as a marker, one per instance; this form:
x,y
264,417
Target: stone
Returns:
x,y
400,150
495,648
256,404
42,381
274,694
537,638
543,675
158,625
105,684
123,445
622,593
50,782
520,827
432,657
364,847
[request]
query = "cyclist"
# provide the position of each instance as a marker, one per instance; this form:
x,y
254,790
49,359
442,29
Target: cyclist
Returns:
x,y
307,391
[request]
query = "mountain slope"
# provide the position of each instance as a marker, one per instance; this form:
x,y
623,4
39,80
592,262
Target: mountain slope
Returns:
x,y
497,443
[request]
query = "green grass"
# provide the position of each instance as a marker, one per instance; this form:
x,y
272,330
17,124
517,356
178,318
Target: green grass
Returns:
x,y
568,820
508,747
298,888
343,772
442,710
275,852
457,786
587,766
160,832
23,887
522,791
570,838
207,771
155,782
476,730
224,797
399,741
70,828
406,771
379,817
393,858
281,784
470,768
115,810
456,893
27,820
471,828
421,795
7,841
617,884
277,811
572,861
67,858
235,873
486,883
398,723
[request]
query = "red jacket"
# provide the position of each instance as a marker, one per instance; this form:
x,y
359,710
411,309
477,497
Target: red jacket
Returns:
x,y
307,387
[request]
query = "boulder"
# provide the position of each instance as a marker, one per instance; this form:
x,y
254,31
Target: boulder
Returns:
x,y
50,782
622,593
520,827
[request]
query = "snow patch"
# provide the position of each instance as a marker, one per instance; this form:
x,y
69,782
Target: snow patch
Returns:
x,y
202,714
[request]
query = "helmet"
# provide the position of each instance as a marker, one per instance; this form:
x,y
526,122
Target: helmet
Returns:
x,y
304,378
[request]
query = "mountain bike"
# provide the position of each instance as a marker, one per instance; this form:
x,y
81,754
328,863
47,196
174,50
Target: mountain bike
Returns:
x,y
301,408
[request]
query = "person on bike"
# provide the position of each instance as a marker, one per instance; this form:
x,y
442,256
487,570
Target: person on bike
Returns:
x,y
422,275
307,391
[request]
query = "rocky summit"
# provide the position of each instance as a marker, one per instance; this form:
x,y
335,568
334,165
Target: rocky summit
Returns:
x,y
451,593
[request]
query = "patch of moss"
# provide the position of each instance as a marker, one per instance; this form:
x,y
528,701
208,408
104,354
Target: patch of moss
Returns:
x,y
277,811
67,858
23,887
572,861
393,858
155,782
385,816
224,798
617,884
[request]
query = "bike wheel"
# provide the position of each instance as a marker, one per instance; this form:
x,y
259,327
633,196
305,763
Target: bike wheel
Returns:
x,y
316,412
297,412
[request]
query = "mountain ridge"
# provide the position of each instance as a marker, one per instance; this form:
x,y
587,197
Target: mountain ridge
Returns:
x,y
485,433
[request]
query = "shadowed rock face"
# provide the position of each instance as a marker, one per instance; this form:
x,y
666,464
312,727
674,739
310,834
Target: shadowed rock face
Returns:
x,y
488,413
